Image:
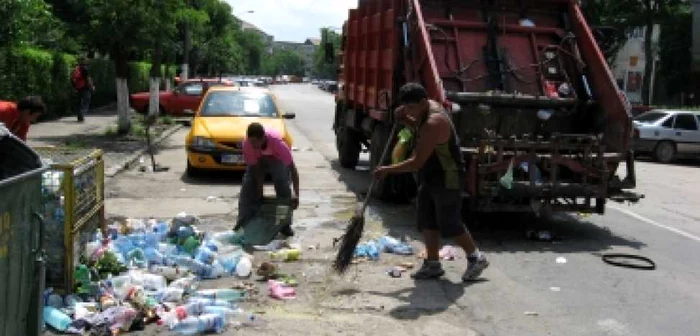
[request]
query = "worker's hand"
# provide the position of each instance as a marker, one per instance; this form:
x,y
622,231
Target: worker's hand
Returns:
x,y
295,202
381,173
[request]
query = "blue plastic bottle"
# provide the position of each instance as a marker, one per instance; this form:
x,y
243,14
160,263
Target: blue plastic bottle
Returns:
x,y
193,325
56,318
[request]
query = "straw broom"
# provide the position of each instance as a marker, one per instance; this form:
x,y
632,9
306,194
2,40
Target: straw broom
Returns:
x,y
353,233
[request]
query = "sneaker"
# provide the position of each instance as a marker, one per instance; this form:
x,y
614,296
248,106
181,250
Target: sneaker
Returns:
x,y
431,269
475,267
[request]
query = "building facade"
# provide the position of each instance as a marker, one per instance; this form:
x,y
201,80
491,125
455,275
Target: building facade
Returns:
x,y
628,67
306,50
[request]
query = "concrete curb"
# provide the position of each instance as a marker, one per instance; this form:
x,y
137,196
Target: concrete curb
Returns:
x,y
124,164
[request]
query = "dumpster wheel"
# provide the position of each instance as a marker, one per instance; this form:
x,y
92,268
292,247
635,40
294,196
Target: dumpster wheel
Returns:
x,y
613,259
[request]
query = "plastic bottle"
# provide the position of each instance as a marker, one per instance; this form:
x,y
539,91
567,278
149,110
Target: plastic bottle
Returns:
x,y
137,258
203,323
229,237
244,267
205,255
225,294
215,271
153,256
193,265
393,245
55,300
171,294
225,312
285,255
190,245
210,302
152,282
170,272
184,232
230,261
188,284
56,318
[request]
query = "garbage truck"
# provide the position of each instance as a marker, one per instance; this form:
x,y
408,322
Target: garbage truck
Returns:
x,y
541,121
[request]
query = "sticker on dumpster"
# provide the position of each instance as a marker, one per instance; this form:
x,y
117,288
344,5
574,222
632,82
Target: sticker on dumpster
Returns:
x,y
5,234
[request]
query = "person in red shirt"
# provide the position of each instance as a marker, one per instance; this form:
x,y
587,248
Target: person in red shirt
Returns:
x,y
17,117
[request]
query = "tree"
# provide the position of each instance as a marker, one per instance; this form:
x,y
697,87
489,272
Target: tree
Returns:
x,y
30,23
117,29
322,68
253,48
162,30
609,14
674,52
284,62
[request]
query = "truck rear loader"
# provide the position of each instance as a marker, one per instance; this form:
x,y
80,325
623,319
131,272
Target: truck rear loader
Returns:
x,y
540,119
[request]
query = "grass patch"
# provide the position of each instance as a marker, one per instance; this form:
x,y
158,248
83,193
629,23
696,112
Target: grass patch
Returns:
x,y
75,144
167,120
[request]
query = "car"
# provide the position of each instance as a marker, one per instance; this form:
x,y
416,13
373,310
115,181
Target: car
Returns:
x,y
667,134
215,139
185,96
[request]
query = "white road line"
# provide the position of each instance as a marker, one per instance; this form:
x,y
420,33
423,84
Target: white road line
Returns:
x,y
655,223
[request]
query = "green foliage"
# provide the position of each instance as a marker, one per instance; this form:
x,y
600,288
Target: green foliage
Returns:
x,y
283,62
675,55
323,69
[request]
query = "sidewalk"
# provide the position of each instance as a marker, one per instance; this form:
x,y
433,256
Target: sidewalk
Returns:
x,y
118,151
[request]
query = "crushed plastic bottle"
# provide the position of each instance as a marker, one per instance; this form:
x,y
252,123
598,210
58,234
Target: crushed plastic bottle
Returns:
x,y
244,267
136,258
171,294
56,318
192,325
150,282
210,302
224,294
368,250
229,237
229,261
285,255
170,272
205,255
393,245
188,284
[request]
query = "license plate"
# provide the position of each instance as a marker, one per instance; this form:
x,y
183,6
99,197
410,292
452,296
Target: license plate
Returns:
x,y
230,158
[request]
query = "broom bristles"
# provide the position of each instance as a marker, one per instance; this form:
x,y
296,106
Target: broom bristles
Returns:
x,y
348,244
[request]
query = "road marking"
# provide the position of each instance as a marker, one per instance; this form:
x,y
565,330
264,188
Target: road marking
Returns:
x,y
655,223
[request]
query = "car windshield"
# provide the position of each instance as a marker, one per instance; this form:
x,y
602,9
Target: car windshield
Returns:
x,y
238,104
650,117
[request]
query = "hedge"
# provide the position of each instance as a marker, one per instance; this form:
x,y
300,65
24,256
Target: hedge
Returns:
x,y
29,71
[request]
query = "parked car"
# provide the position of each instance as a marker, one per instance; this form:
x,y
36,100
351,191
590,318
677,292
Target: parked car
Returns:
x,y
215,140
186,96
667,134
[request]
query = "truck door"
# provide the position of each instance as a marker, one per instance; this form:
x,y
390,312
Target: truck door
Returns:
x,y
686,134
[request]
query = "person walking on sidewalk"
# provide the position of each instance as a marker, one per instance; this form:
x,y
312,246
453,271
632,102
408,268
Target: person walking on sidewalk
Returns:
x,y
17,117
82,82
265,152
441,172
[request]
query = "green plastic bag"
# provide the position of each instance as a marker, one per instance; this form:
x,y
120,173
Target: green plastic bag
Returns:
x,y
402,147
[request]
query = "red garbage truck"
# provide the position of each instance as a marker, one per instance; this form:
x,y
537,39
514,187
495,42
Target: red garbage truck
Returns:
x,y
540,119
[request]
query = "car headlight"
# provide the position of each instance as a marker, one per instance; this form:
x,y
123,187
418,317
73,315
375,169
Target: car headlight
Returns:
x,y
202,142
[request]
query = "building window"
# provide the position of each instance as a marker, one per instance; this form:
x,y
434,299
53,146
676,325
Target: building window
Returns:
x,y
634,81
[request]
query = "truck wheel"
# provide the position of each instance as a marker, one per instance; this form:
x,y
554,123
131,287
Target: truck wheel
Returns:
x,y
394,188
665,151
348,144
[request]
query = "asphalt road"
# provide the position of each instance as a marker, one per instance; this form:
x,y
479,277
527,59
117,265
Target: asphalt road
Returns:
x,y
583,296
525,291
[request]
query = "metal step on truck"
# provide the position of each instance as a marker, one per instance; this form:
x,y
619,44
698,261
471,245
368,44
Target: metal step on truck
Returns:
x,y
525,82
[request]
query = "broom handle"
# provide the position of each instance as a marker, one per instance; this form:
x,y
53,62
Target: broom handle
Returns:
x,y
394,128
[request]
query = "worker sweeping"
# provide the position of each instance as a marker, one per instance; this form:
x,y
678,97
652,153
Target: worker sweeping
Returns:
x,y
441,172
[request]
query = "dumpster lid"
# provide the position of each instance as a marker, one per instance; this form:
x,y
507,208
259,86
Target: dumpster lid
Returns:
x,y
16,157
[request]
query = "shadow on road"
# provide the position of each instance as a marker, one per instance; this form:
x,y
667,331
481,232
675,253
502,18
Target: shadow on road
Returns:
x,y
421,299
214,178
496,233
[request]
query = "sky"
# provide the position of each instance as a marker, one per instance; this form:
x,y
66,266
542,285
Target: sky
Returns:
x,y
293,20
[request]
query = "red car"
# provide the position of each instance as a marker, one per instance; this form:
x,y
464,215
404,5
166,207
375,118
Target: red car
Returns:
x,y
186,96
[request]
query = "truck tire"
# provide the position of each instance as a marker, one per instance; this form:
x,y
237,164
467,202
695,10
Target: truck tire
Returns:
x,y
665,151
399,188
347,141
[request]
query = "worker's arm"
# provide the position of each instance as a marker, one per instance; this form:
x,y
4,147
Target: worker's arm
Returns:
x,y
429,135
295,185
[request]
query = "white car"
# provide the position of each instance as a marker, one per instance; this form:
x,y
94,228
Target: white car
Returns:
x,y
667,134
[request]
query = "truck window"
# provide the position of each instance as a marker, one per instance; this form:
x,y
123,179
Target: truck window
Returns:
x,y
685,122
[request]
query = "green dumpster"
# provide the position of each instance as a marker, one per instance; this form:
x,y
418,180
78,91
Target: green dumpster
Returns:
x,y
21,238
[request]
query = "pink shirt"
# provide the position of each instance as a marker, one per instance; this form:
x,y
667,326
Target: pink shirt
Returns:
x,y
276,147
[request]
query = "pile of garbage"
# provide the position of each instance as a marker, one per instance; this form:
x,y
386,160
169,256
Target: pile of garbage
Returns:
x,y
371,249
142,272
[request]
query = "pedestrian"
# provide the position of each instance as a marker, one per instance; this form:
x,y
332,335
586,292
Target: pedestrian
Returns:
x,y
17,117
265,152
441,172
84,86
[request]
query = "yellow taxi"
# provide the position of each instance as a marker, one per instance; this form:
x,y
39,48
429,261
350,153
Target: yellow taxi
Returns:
x,y
215,140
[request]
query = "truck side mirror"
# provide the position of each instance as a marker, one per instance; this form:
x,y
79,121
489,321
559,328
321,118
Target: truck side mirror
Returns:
x,y
329,52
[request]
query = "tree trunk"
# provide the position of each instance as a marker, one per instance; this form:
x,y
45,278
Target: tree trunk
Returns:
x,y
154,101
649,61
122,71
186,46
